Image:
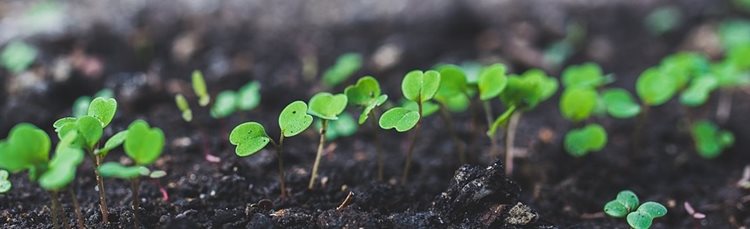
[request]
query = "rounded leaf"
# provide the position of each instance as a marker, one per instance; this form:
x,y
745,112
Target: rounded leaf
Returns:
x,y
629,199
4,175
639,220
103,109
492,81
699,90
366,90
346,65
26,146
249,137
420,86
294,119
654,88
586,75
81,106
143,144
5,186
62,169
199,86
116,170
616,209
620,104
90,130
225,105
248,97
327,106
653,209
579,142
709,140
453,82
113,142
402,119
577,104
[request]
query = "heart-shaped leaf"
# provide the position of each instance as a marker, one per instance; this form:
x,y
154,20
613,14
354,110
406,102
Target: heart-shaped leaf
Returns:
x,y
249,137
368,109
327,106
225,105
143,144
420,86
654,88
248,96
620,104
62,169
27,146
587,75
113,142
363,92
529,89
625,203
90,130
116,170
199,86
590,138
453,82
294,119
492,81
577,103
402,119
103,109
653,209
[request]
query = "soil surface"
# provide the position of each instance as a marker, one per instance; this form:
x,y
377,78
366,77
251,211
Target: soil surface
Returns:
x,y
146,53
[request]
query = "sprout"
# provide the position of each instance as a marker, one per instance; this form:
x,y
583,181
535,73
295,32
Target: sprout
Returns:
x,y
638,217
365,93
709,140
18,56
620,104
654,88
5,184
588,75
81,105
225,105
248,97
577,103
663,19
492,81
591,138
199,86
227,102
345,126
327,107
345,66
699,90
182,104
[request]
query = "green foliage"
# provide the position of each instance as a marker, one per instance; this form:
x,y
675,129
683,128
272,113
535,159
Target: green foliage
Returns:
x,y
113,142
184,107
698,91
345,66
249,137
577,103
365,93
587,75
529,89
454,91
327,106
345,126
402,119
500,121
116,170
25,148
81,105
420,86
620,104
638,217
142,143
62,168
734,33
729,75
740,56
103,109
709,140
625,203
663,19
294,119
199,86
591,138
88,129
18,56
654,88
684,66
5,184
428,108
492,81
248,97
225,105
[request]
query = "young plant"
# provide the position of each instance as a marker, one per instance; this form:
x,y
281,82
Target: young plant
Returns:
x,y
200,89
419,87
366,94
182,104
326,107
81,105
5,184
143,145
627,205
591,138
245,99
251,137
17,56
346,65
709,140
453,95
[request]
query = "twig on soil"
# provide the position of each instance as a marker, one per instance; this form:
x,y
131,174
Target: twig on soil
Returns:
x,y
348,200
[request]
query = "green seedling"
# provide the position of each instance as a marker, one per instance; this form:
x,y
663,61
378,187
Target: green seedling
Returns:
x,y
588,75
199,86
5,184
326,107
18,56
345,126
366,94
143,144
590,138
251,137
248,96
346,65
734,33
699,90
620,103
663,20
81,105
654,88
184,107
419,87
627,205
709,140
492,81
225,104
454,95
578,103
245,99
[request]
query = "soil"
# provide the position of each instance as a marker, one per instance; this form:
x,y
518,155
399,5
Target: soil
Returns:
x,y
549,188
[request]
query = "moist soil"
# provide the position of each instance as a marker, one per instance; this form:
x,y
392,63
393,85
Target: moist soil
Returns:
x,y
652,155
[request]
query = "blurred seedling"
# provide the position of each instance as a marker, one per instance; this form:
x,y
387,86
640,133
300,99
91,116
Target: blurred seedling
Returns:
x,y
346,65
591,138
17,56
627,205
419,87
491,82
143,144
453,95
200,89
366,94
5,184
251,137
245,99
663,20
327,107
81,105
709,140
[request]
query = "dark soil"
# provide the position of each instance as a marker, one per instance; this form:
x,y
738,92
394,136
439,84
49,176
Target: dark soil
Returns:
x,y
549,189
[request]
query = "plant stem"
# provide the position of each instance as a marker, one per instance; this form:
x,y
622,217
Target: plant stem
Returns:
x,y
642,118
55,210
724,108
376,139
102,194
314,175
282,176
76,208
410,150
510,137
493,139
451,130
136,202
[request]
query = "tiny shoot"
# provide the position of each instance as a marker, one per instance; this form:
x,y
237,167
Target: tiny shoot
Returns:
x,y
200,89
326,107
346,65
709,140
627,205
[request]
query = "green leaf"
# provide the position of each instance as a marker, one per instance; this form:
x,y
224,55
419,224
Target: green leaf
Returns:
x,y
225,105
729,75
615,209
103,109
528,90
587,75
369,108
249,137
182,104
492,81
294,119
62,169
620,104
402,119
654,88
366,90
113,142
90,130
81,106
345,66
18,56
500,121
663,19
5,186
457,103
709,140
734,33
452,82
428,108
327,106
591,138
683,66
105,93
62,122
653,209
639,220
577,103
116,170
625,203
26,146
199,86
143,144
4,175
420,86
699,90
345,126
249,96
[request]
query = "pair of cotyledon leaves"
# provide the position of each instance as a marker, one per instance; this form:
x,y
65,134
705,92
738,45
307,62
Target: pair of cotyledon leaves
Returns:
x,y
709,140
590,138
581,98
626,204
89,127
416,86
143,144
523,92
365,93
227,102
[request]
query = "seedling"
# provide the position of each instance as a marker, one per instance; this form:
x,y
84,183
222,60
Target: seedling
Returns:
x,y
184,107
245,99
663,20
578,103
453,95
18,56
5,184
81,105
143,145
225,105
199,86
419,87
620,103
627,205
345,66
587,75
327,107
654,88
709,140
251,137
590,138
345,126
366,93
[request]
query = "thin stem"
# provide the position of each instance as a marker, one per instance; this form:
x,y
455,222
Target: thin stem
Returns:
x,y
314,175
136,202
102,194
282,176
451,130
376,139
724,108
642,118
510,137
55,210
410,151
493,139
76,208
